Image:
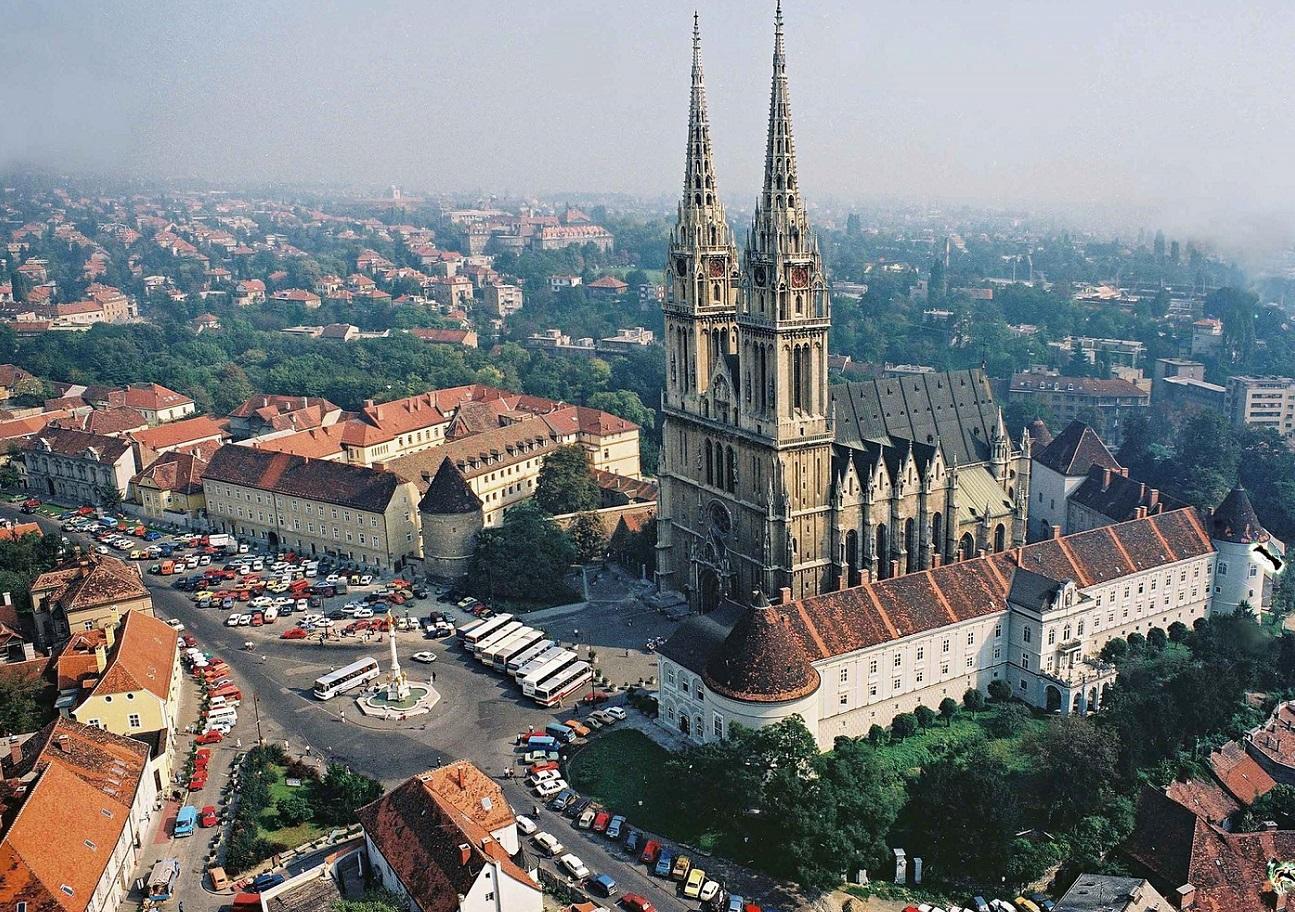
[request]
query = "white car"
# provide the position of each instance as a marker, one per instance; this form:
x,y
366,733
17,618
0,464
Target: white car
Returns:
x,y
550,787
574,866
426,658
244,620
535,779
548,844
615,712
366,579
175,624
262,602
526,825
102,549
232,620
312,618
709,890
324,622
364,612
332,578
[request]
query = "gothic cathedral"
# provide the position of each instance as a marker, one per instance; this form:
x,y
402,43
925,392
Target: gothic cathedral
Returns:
x,y
769,480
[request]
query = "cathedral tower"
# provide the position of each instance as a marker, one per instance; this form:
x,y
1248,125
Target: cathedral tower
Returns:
x,y
782,325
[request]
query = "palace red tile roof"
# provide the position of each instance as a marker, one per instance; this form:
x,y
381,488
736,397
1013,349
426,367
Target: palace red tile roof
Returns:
x,y
177,471
763,660
67,442
841,622
176,433
1204,797
1244,779
111,421
90,581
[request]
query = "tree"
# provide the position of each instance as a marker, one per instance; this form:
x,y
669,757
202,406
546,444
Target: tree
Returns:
x,y
374,900
974,700
526,558
924,715
1115,650
1178,632
948,709
877,735
108,495
903,725
343,792
1007,720
1137,643
1000,691
566,483
293,809
1076,764
19,704
624,404
587,536
1157,639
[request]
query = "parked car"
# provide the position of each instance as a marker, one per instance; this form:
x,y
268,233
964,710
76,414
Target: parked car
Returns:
x,y
526,825
263,882
575,725
614,826
560,801
208,817
587,817
692,885
596,696
550,787
425,657
615,712
709,890
633,840
573,866
682,865
664,863
601,820
635,902
601,885
576,808
548,844
209,737
651,851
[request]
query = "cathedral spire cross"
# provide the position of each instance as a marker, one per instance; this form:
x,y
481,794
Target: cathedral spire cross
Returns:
x,y
699,172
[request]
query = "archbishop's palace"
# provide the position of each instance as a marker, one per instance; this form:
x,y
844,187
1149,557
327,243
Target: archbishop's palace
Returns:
x,y
852,552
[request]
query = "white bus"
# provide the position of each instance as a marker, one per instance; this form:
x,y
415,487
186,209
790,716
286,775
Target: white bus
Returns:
x,y
533,651
342,680
542,673
556,688
543,660
475,633
486,651
495,637
516,645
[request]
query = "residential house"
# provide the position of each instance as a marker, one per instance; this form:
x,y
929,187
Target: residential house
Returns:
x,y
81,817
263,414
170,489
249,292
113,421
465,338
607,287
314,506
559,282
1057,469
446,841
1106,404
138,692
83,593
307,299
502,301
155,402
1109,893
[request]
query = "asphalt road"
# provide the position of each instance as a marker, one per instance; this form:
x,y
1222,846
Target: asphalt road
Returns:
x,y
478,717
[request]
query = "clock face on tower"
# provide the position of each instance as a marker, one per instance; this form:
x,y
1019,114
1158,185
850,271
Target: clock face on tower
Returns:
x,y
718,266
799,276
760,276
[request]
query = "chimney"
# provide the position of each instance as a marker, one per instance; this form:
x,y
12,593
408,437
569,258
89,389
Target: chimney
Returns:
x,y
1106,479
465,853
784,595
1056,531
862,577
1185,897
61,743
1140,513
1153,497
980,552
368,403
937,560
15,749
894,569
8,600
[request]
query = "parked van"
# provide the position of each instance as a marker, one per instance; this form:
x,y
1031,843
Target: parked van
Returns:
x,y
271,614
185,821
559,732
222,714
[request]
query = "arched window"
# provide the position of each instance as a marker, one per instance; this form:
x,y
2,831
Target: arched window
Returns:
x,y
1000,537
795,377
910,546
710,465
937,534
730,476
966,547
852,557
883,551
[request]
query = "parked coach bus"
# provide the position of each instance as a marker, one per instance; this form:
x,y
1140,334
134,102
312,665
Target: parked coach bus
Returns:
x,y
473,634
533,651
543,668
495,637
556,688
344,679
498,655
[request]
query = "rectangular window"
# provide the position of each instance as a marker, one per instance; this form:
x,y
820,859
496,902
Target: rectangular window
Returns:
x,y
899,659
944,647
845,675
872,667
872,690
919,676
844,700
133,720
998,653
971,661
944,668
921,652
998,631
971,638
896,688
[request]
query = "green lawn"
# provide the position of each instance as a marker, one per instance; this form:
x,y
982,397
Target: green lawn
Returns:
x,y
625,771
911,754
288,836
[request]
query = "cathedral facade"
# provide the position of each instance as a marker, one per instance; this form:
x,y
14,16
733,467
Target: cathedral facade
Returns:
x,y
770,479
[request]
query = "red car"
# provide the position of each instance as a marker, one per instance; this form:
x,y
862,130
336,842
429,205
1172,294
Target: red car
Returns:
x,y
211,737
208,817
596,696
202,758
189,640
651,849
293,633
541,767
198,781
636,903
601,820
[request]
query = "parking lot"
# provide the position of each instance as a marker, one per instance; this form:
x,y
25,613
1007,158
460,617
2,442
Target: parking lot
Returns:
x,y
480,713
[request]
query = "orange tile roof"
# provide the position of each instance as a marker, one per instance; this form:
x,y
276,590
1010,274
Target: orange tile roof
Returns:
x,y
18,530
143,658
313,443
1239,773
190,430
62,839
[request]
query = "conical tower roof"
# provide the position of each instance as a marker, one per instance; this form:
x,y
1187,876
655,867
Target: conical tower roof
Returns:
x,y
1039,433
1235,520
762,660
449,492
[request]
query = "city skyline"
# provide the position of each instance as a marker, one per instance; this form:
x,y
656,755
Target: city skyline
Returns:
x,y
1150,114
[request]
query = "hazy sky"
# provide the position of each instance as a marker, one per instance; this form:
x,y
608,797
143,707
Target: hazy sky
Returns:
x,y
1181,109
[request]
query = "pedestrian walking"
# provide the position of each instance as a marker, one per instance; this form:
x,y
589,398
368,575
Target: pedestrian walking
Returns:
x,y
238,743
180,906
433,677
